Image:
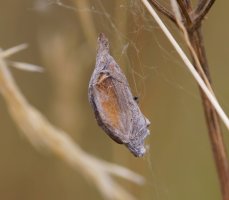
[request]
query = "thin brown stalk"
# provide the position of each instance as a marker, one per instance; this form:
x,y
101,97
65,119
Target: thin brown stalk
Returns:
x,y
185,12
213,124
200,13
212,120
196,40
163,10
200,5
188,42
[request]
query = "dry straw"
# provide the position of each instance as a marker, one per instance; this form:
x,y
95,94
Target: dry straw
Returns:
x,y
187,62
41,133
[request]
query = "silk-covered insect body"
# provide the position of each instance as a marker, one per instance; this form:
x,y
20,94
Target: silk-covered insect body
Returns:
x,y
115,108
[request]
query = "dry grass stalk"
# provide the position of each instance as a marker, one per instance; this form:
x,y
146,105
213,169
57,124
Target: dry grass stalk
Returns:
x,y
208,93
190,24
180,24
189,20
41,133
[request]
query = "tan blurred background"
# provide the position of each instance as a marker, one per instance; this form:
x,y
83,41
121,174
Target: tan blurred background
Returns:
x,y
62,38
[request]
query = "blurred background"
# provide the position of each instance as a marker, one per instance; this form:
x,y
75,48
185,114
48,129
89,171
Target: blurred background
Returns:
x,y
62,38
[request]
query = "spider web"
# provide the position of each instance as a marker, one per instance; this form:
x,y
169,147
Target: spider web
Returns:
x,y
141,23
128,49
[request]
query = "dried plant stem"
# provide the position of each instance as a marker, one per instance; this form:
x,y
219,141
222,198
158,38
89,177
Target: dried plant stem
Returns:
x,y
198,65
195,74
41,133
201,11
194,40
216,138
183,8
189,22
163,10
